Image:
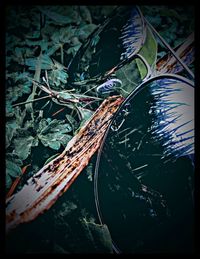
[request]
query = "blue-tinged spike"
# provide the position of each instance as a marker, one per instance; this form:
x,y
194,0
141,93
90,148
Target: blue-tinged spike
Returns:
x,y
174,122
131,34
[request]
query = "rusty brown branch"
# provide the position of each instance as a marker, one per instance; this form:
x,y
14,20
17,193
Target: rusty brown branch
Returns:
x,y
16,182
43,189
168,63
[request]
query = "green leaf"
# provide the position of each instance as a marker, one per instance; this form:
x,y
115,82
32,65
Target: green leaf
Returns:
x,y
29,106
44,44
149,52
52,49
35,142
11,127
86,114
46,62
8,181
18,55
28,124
84,31
14,158
51,158
65,95
73,50
89,171
50,140
17,87
20,115
53,133
97,236
56,17
95,40
64,139
23,146
25,87
130,77
9,109
22,77
12,169
85,14
54,126
54,140
72,121
16,91
57,76
43,123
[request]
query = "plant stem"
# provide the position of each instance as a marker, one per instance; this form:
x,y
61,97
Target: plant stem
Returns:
x,y
61,53
31,101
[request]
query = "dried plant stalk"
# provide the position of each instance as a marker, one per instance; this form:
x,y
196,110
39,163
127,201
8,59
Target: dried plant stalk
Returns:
x,y
168,63
43,189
